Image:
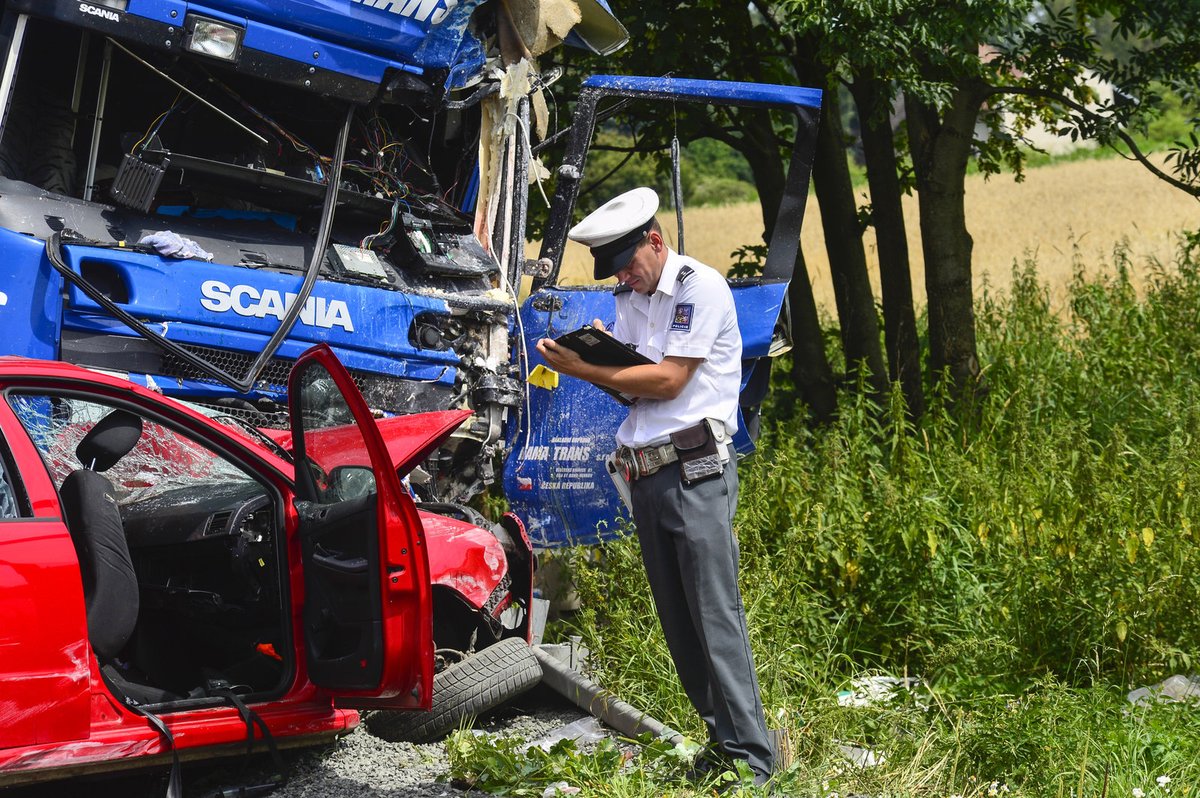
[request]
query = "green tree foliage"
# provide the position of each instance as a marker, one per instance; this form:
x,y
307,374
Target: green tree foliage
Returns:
x,y
971,79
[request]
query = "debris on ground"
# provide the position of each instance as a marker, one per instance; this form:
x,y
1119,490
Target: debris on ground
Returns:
x,y
1177,688
867,690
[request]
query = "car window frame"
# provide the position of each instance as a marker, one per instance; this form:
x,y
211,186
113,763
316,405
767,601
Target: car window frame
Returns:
x,y
10,476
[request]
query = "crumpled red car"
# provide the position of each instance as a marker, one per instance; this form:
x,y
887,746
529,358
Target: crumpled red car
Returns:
x,y
170,580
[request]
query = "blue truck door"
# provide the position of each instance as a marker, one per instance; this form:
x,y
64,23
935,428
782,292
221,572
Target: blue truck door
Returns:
x,y
555,476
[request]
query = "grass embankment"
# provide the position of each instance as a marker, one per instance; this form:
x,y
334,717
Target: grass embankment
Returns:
x,y
1030,565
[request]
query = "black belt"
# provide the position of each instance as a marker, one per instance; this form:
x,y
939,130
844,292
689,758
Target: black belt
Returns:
x,y
646,460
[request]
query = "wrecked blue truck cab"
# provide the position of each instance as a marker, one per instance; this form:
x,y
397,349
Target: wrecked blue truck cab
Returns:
x,y
319,160
347,172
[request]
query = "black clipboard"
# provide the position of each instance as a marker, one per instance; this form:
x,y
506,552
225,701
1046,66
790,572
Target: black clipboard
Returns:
x,y
602,349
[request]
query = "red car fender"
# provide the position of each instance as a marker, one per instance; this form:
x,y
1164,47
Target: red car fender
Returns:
x,y
464,558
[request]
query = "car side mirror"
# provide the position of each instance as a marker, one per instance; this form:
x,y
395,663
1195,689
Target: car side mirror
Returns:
x,y
352,482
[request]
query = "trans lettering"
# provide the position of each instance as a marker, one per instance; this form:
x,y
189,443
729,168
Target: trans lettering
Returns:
x,y
431,11
558,453
246,300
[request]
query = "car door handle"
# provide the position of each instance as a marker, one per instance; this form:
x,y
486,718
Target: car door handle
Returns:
x,y
352,565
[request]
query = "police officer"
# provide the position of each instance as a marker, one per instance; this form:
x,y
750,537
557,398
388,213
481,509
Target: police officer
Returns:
x,y
675,446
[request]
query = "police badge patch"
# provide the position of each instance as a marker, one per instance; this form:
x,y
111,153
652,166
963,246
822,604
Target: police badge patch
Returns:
x,y
683,317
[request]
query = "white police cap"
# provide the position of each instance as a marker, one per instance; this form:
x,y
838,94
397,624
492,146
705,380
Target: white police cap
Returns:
x,y
615,229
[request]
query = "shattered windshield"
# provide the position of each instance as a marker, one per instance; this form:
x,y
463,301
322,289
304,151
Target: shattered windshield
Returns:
x,y
161,461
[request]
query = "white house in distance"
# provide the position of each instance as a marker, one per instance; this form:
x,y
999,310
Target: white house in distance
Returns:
x,y
1039,135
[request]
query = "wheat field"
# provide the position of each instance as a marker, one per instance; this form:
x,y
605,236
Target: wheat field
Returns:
x,y
1060,213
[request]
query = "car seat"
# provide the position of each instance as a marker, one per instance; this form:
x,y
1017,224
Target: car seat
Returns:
x,y
110,586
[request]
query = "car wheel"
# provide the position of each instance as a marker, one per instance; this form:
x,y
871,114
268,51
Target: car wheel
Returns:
x,y
463,691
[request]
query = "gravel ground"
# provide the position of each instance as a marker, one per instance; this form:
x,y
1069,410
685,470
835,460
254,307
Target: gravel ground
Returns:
x,y
363,766
359,765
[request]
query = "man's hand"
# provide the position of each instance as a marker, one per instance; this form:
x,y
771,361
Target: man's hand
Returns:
x,y
560,358
663,380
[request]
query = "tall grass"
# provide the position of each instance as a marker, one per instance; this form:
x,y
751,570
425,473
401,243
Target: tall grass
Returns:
x,y
1031,563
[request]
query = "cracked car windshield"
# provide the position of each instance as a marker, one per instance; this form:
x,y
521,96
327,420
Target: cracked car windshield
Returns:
x,y
162,459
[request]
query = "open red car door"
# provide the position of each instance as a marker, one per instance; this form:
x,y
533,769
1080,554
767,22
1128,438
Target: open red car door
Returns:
x,y
367,603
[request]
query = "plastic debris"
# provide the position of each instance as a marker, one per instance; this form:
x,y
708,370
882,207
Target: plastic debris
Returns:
x,y
585,730
867,690
861,757
1173,688
173,245
559,788
543,377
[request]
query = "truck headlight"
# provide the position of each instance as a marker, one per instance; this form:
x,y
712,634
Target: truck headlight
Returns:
x,y
214,38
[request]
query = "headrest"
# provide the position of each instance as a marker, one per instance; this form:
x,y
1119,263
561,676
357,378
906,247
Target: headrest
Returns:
x,y
113,437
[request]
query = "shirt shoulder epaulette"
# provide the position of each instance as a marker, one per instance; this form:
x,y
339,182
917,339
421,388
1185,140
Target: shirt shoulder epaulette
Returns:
x,y
684,273
621,289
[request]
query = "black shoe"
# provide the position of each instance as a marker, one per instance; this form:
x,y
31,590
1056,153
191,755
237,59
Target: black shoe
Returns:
x,y
702,769
710,762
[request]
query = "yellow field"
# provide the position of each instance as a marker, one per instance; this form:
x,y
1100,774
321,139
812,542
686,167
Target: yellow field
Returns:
x,y
1082,208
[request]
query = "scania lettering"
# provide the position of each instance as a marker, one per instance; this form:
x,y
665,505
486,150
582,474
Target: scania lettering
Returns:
x,y
246,300
108,14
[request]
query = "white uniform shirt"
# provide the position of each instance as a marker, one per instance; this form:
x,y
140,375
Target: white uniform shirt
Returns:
x,y
694,317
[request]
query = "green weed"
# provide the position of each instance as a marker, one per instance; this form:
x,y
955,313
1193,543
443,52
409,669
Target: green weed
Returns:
x,y
1032,563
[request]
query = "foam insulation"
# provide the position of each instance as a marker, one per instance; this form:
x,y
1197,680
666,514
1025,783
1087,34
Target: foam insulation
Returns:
x,y
526,30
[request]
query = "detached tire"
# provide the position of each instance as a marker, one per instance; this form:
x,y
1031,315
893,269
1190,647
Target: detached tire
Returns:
x,y
462,691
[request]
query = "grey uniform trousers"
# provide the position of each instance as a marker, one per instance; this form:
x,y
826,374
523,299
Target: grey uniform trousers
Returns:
x,y
691,559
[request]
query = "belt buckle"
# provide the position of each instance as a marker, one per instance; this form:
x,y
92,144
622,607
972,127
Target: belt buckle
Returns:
x,y
650,459
645,466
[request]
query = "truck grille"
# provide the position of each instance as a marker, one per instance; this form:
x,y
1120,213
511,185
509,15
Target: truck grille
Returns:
x,y
235,363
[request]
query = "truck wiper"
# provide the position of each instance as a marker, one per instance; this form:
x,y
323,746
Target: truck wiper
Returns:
x,y
245,383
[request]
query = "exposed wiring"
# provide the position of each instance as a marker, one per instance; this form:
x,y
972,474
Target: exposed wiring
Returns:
x,y
180,86
369,240
156,125
385,157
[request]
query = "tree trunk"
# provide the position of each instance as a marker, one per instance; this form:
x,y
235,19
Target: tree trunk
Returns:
x,y
843,238
940,151
810,367
899,319
811,372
